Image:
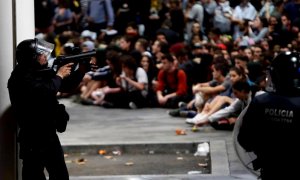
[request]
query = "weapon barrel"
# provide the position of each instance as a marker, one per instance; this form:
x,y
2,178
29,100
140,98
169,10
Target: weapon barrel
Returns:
x,y
83,55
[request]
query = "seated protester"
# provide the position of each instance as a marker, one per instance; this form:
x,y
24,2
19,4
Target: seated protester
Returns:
x,y
202,62
165,34
258,29
251,69
172,84
142,45
199,72
205,91
223,99
243,91
127,46
148,65
134,82
220,83
192,72
186,64
102,77
158,50
133,86
98,77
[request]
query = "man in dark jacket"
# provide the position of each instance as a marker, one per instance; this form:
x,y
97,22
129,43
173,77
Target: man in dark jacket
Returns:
x,y
32,90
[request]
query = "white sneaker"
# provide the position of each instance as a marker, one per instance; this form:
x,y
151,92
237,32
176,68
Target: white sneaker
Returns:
x,y
194,119
182,105
201,120
132,105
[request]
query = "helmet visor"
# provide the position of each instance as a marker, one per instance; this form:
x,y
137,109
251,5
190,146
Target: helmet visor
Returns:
x,y
44,47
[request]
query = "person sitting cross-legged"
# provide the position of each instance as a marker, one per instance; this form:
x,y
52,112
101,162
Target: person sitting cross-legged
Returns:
x,y
243,92
222,99
172,84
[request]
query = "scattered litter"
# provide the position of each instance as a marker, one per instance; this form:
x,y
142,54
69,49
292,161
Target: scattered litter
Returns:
x,y
68,161
117,152
129,163
102,152
202,149
195,172
202,164
179,158
108,157
195,129
81,161
66,155
180,132
151,152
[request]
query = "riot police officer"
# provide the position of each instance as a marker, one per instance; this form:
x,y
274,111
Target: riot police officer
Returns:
x,y
270,126
32,89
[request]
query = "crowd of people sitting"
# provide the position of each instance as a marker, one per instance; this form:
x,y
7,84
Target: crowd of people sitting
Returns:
x,y
201,59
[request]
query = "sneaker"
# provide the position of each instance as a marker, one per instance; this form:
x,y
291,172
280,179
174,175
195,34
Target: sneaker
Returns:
x,y
132,105
196,119
174,112
183,113
202,120
108,105
182,105
87,102
77,99
188,113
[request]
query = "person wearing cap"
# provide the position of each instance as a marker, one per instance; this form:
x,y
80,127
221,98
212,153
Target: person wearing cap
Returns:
x,y
88,35
88,46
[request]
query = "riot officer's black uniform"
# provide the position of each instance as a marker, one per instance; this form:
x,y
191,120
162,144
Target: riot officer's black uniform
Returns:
x,y
270,127
32,89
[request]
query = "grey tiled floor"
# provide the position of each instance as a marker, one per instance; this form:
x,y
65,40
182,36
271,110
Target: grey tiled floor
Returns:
x,y
92,125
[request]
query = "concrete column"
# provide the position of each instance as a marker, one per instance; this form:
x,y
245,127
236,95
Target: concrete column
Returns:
x,y
24,20
6,49
7,127
16,24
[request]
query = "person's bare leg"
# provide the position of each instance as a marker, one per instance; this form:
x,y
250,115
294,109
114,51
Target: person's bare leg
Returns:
x,y
216,105
93,86
220,101
85,90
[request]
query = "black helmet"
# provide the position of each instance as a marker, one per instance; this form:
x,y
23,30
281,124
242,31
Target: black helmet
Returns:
x,y
284,74
28,50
